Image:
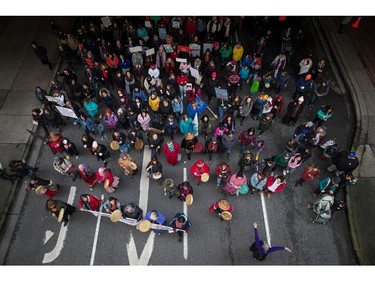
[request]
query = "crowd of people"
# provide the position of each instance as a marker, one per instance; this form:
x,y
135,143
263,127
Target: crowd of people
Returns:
x,y
148,79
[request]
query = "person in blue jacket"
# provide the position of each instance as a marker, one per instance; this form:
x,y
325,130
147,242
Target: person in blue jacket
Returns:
x,y
261,249
156,217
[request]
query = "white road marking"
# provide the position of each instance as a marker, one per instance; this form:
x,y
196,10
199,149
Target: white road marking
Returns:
x,y
146,252
186,213
47,236
145,181
51,256
99,218
265,216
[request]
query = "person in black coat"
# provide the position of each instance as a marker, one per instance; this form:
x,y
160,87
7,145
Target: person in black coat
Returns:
x,y
171,125
294,110
132,211
40,119
344,162
41,53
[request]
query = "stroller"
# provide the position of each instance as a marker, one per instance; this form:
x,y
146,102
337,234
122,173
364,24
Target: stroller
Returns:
x,y
322,207
330,148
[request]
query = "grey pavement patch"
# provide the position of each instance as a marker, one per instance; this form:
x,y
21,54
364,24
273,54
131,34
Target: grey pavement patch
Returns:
x,y
363,80
369,97
18,134
23,23
64,23
7,76
362,214
46,39
368,163
371,131
19,103
9,40
3,95
8,59
27,79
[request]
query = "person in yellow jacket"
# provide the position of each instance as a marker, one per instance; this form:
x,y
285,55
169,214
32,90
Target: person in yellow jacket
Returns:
x,y
153,102
237,52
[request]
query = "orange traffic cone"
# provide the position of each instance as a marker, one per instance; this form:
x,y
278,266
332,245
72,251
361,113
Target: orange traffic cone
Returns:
x,y
356,23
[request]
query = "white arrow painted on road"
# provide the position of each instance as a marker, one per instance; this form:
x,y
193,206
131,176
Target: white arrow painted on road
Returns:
x,y
51,256
146,253
265,216
47,236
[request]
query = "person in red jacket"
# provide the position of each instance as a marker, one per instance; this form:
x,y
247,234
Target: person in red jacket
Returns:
x,y
274,184
89,202
220,206
309,173
105,176
182,80
171,150
198,169
190,27
54,142
223,173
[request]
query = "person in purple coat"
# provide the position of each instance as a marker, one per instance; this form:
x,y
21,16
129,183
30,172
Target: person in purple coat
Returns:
x,y
261,249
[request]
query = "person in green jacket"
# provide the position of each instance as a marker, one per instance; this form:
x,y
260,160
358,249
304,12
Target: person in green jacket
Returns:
x,y
323,114
225,52
281,161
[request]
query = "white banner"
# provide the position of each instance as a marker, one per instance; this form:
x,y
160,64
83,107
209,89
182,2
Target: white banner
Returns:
x,y
66,112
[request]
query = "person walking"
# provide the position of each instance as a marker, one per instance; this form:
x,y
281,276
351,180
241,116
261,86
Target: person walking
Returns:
x,y
171,151
309,173
261,249
87,175
198,169
110,182
220,206
180,224
323,114
41,53
235,182
223,173
55,206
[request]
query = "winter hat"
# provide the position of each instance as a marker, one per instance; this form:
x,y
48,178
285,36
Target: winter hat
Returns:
x,y
213,74
301,99
94,144
101,171
352,154
308,76
309,124
214,139
200,162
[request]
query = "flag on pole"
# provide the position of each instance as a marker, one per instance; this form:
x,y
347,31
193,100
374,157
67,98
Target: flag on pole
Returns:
x,y
201,105
195,124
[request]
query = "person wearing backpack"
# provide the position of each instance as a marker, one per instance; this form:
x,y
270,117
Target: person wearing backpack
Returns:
x,y
261,249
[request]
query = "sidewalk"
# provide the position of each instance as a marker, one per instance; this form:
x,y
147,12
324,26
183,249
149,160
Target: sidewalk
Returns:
x,y
354,54
20,72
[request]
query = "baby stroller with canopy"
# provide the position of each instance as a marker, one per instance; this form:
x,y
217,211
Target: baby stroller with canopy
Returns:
x,y
322,207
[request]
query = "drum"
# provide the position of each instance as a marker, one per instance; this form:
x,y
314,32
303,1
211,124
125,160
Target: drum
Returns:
x,y
61,215
189,199
106,183
224,204
205,177
116,216
198,147
157,175
40,190
138,144
133,166
154,130
114,145
144,226
226,215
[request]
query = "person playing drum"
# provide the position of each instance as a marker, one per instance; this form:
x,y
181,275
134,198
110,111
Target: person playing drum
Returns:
x,y
184,189
154,169
56,206
198,169
222,206
127,163
156,217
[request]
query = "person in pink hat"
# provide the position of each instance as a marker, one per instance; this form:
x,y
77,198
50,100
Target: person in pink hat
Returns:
x,y
105,176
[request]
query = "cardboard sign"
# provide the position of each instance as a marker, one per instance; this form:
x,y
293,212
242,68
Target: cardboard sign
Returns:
x,y
150,52
148,24
106,21
194,72
185,49
135,49
175,24
195,50
207,46
66,112
221,93
189,86
53,99
180,60
168,48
